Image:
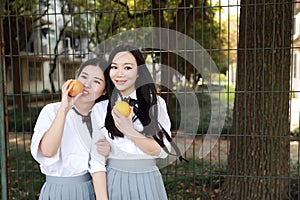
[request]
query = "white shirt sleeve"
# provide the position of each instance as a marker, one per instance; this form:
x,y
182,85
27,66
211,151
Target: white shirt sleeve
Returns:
x,y
97,161
43,123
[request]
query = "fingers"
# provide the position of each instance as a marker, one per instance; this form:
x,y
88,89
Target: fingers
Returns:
x,y
65,93
65,86
103,147
77,96
115,113
131,113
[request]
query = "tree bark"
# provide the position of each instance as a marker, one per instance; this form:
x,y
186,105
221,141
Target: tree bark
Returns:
x,y
15,41
184,14
258,162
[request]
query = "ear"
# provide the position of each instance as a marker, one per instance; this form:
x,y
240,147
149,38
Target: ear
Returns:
x,y
104,92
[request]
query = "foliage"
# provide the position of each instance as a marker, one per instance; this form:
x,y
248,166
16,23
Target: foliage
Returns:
x,y
227,94
193,180
202,180
24,121
295,133
198,179
294,181
20,7
25,179
107,18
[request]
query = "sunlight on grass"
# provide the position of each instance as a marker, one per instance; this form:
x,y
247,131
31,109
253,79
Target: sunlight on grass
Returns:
x,y
227,94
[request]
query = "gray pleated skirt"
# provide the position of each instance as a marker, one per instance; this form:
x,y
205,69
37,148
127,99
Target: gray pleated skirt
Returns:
x,y
68,188
134,180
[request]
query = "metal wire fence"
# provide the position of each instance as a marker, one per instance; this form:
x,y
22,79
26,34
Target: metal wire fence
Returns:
x,y
44,42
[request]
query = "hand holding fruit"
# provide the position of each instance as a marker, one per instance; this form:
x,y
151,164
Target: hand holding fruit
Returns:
x,y
122,115
68,89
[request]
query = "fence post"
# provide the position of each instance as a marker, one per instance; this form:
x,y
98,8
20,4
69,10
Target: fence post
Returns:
x,y
4,192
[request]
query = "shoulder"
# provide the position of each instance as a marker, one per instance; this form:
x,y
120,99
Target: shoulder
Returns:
x,y
51,107
48,112
100,107
99,111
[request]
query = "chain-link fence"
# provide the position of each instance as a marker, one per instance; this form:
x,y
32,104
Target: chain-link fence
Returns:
x,y
210,60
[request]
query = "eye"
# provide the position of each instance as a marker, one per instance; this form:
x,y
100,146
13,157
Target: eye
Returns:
x,y
83,76
128,67
114,67
97,82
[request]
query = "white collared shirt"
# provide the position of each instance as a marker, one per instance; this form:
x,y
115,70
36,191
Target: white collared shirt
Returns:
x,y
123,147
77,152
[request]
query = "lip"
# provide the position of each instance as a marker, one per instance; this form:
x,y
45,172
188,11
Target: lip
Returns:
x,y
120,82
85,92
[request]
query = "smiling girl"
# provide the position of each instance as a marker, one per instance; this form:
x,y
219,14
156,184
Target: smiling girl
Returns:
x,y
131,167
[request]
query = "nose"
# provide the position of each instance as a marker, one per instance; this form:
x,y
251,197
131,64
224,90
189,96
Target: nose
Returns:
x,y
87,83
120,71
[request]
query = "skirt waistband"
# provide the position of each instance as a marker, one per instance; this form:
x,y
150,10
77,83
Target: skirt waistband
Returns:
x,y
66,180
141,165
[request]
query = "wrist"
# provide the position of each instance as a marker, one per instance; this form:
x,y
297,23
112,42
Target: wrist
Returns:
x,y
63,110
135,135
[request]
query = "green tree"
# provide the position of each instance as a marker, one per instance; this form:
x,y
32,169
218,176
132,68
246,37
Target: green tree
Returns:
x,y
258,163
195,18
112,17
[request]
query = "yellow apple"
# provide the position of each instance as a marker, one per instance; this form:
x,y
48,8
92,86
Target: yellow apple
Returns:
x,y
77,87
123,107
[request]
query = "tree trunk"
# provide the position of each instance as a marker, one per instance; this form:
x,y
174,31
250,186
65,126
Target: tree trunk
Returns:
x,y
14,42
258,163
180,25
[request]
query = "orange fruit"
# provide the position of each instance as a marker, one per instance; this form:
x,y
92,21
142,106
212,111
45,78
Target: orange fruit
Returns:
x,y
76,89
123,107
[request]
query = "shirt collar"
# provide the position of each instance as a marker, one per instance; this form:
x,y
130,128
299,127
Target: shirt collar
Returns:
x,y
132,95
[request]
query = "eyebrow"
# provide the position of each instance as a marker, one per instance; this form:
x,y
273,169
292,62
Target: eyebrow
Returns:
x,y
122,63
98,78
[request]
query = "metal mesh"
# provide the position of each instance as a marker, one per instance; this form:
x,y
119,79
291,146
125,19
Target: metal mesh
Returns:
x,y
47,40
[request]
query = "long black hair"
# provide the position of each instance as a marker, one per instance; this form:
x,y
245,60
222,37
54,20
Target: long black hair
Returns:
x,y
146,93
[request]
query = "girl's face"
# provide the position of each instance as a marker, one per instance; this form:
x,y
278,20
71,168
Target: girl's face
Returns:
x,y
93,80
124,72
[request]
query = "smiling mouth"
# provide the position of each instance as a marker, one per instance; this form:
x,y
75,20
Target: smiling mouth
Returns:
x,y
120,82
85,92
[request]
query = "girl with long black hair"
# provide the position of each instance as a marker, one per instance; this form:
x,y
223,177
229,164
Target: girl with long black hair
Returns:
x,y
136,141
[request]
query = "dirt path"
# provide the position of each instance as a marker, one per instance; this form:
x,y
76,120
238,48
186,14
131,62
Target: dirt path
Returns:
x,y
218,154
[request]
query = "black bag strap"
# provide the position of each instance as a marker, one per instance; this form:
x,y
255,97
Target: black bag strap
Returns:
x,y
173,144
133,102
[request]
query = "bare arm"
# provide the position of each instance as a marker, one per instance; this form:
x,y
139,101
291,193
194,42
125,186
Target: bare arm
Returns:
x,y
124,124
52,138
99,182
